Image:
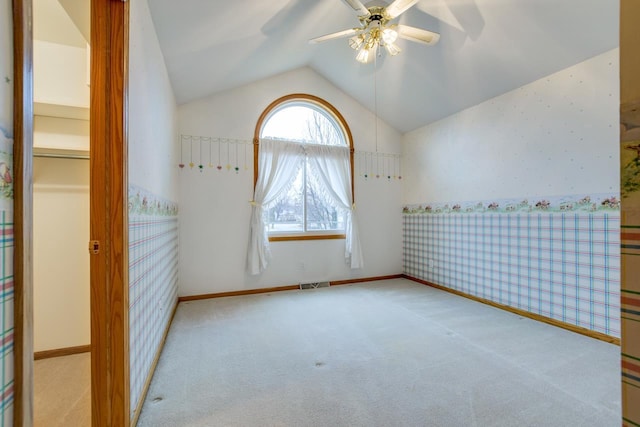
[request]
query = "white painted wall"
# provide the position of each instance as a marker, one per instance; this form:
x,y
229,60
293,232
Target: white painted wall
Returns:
x,y
214,208
153,152
60,74
60,258
556,136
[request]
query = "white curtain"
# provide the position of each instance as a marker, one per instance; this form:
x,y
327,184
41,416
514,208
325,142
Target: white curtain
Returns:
x,y
332,165
278,163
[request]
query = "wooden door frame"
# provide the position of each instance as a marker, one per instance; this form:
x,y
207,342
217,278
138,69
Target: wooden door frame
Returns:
x,y
23,211
110,403
108,210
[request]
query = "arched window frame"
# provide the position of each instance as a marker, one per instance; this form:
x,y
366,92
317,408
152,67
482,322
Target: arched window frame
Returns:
x,y
342,123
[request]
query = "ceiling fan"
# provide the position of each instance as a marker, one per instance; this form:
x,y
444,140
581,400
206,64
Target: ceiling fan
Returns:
x,y
376,31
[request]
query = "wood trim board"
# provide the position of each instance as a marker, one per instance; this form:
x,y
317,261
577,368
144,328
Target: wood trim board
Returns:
x,y
281,288
23,212
238,293
523,313
299,237
365,279
58,352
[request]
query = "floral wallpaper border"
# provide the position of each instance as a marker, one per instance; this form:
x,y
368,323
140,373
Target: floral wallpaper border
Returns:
x,y
6,173
143,202
575,203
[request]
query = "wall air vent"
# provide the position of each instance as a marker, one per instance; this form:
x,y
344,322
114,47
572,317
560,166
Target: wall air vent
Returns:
x,y
314,285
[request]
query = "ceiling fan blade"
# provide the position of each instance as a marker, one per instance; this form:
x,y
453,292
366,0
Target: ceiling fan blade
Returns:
x,y
417,35
339,34
398,7
358,7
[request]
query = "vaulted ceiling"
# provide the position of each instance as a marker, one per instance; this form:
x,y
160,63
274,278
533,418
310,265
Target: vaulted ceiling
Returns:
x,y
487,47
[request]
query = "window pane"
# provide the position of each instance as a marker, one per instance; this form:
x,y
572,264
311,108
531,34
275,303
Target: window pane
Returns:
x,y
320,214
320,130
306,206
288,214
304,124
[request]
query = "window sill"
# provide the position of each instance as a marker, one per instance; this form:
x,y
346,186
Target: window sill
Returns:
x,y
296,237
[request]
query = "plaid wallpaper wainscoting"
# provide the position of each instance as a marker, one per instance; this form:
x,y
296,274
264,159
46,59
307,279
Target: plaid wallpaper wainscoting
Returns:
x,y
153,281
7,294
555,257
6,317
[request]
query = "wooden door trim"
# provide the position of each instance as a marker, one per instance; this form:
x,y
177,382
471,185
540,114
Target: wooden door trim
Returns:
x,y
109,268
23,212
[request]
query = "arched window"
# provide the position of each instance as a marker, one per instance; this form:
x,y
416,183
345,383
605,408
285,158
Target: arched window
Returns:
x,y
303,176
302,211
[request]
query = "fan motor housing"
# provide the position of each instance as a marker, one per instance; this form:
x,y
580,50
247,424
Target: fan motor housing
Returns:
x,y
377,13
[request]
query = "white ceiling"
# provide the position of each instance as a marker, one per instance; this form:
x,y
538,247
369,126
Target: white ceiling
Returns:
x,y
487,47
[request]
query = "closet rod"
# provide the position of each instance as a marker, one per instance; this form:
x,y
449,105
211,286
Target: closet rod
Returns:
x,y
62,156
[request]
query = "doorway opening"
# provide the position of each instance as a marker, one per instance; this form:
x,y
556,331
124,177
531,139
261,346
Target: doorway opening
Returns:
x,y
61,276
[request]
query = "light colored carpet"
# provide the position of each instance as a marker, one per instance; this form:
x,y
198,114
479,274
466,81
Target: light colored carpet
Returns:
x,y
62,395
390,353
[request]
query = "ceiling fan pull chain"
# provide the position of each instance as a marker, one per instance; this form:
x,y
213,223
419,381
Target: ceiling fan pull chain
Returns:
x,y
375,97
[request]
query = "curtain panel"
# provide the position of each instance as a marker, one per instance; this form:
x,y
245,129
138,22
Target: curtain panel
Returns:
x,y
278,164
333,166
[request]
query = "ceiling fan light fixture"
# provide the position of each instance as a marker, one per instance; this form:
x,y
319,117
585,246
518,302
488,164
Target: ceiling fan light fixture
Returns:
x,y
365,54
376,30
356,42
389,36
392,49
